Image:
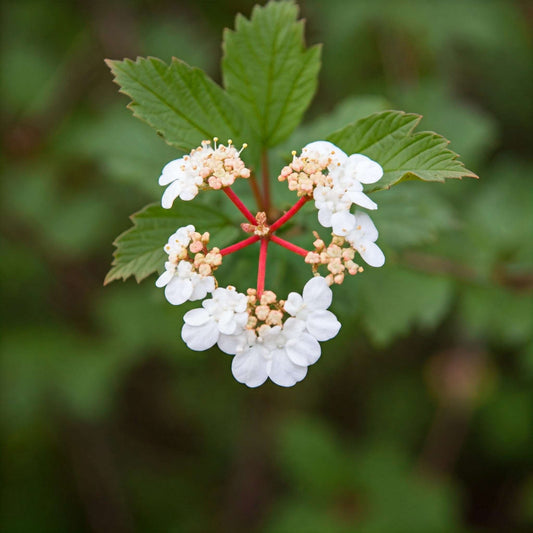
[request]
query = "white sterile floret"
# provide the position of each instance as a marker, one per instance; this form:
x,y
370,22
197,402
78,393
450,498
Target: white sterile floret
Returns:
x,y
281,353
183,176
224,314
310,308
179,240
363,238
182,283
346,174
322,151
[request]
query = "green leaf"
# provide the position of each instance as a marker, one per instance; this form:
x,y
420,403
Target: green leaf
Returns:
x,y
389,139
267,69
181,102
140,251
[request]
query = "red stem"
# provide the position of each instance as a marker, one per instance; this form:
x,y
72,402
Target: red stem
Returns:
x,y
239,245
261,271
257,193
240,206
290,213
292,247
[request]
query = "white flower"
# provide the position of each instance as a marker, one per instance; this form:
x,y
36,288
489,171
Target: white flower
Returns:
x,y
224,314
183,176
279,353
345,186
182,283
322,151
363,238
311,307
179,241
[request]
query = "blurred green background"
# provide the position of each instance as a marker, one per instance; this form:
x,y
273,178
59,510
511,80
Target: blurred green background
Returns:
x,y
417,418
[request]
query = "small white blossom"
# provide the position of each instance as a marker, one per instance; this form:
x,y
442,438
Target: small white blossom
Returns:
x,y
363,238
346,174
311,309
281,353
182,283
179,241
326,153
225,313
181,280
183,176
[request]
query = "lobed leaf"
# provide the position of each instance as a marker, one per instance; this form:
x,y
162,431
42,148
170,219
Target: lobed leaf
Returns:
x,y
388,137
268,70
139,250
181,102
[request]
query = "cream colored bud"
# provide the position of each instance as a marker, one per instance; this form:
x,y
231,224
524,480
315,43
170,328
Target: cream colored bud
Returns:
x,y
261,312
312,258
334,251
274,318
339,278
204,269
268,297
196,246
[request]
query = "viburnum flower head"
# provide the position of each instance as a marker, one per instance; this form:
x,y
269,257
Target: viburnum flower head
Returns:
x,y
269,338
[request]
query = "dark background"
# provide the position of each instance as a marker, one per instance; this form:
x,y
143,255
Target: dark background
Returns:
x,y
417,418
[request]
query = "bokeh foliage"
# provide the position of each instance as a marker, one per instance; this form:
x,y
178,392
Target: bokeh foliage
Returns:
x,y
418,418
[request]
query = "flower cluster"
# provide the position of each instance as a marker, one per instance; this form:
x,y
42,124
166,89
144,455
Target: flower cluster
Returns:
x,y
206,167
188,271
269,338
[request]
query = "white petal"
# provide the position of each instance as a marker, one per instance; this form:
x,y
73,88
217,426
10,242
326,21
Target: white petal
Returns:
x,y
201,287
293,328
227,323
324,217
365,169
317,294
231,344
283,371
293,303
360,198
172,171
371,253
178,290
303,351
188,193
196,317
342,223
200,338
171,193
322,325
367,227
164,278
250,367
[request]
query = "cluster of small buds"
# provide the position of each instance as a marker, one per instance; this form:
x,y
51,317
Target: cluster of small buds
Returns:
x,y
264,311
260,228
189,270
305,173
205,167
223,165
338,257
